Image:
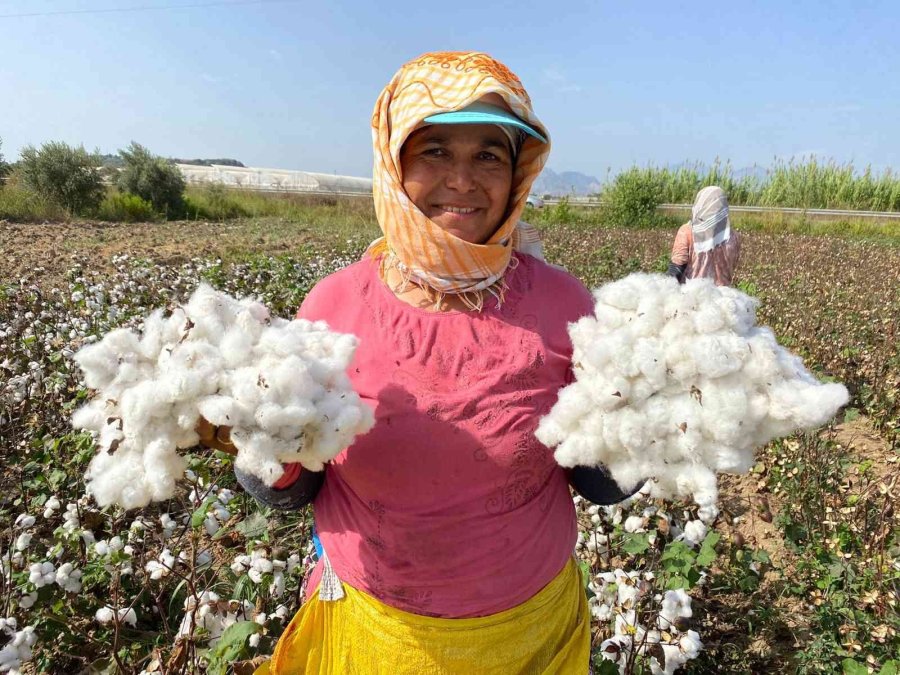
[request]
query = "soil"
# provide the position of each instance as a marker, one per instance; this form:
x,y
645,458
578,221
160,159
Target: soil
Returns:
x,y
25,247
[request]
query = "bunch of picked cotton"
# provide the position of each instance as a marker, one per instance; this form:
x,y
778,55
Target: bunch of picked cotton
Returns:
x,y
280,385
677,382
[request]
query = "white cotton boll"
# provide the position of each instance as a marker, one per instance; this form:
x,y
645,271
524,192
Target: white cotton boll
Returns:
x,y
575,450
190,370
237,346
808,405
91,416
672,657
708,319
708,513
632,431
680,362
718,355
25,520
649,315
607,317
613,393
128,616
676,604
110,436
571,405
141,403
624,294
254,309
257,455
185,415
98,363
118,479
162,467
650,360
223,411
104,615
627,475
694,532
634,524
738,309
272,417
209,311
151,340
245,387
41,574
690,644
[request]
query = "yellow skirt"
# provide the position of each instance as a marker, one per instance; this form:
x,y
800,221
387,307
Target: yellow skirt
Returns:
x,y
358,635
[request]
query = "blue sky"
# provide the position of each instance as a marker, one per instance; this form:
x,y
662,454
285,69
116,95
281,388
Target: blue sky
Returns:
x,y
292,84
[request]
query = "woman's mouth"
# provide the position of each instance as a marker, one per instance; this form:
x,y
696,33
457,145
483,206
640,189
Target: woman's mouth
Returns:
x,y
459,210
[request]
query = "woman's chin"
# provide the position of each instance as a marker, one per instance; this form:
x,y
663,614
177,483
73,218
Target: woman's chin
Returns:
x,y
472,234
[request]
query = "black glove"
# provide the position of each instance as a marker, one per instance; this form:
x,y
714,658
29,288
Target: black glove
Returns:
x,y
596,485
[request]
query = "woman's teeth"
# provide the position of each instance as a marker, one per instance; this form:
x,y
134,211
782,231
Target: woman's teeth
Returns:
x,y
454,209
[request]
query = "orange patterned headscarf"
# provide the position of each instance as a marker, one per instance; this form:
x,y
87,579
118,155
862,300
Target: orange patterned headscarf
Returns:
x,y
421,250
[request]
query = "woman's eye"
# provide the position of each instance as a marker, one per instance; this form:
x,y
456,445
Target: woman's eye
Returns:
x,y
434,152
489,157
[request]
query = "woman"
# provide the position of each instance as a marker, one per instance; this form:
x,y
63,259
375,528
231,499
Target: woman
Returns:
x,y
447,530
706,246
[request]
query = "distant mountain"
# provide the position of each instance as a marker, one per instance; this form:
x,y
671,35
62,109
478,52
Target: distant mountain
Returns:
x,y
565,183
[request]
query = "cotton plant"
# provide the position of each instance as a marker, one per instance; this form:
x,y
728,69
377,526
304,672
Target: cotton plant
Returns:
x,y
65,540
258,564
678,383
18,646
280,385
648,623
123,615
207,616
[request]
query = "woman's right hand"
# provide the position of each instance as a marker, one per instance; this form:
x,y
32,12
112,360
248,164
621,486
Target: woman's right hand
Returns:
x,y
217,438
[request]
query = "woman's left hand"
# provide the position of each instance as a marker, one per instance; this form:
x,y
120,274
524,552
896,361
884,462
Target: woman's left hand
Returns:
x,y
217,438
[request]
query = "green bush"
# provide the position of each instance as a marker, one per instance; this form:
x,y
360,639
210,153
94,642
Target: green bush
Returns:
x,y
153,179
66,176
4,167
123,207
632,198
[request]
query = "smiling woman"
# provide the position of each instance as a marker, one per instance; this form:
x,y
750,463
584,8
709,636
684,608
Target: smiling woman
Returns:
x,y
428,524
459,177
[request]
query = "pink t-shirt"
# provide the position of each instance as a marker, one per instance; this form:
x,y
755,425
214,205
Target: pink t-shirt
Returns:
x,y
450,506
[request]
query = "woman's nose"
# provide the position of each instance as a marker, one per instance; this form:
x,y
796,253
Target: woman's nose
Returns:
x,y
460,176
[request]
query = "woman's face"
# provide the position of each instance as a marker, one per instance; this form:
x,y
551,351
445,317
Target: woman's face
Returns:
x,y
460,177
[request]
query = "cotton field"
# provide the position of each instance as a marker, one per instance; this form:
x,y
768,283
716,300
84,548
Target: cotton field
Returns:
x,y
196,576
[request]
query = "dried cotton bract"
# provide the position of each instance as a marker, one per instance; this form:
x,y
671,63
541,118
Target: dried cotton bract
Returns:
x,y
280,385
676,382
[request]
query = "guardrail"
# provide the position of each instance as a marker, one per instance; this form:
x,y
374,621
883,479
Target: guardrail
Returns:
x,y
591,203
785,210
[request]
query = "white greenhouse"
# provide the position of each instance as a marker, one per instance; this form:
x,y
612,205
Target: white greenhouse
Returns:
x,y
276,180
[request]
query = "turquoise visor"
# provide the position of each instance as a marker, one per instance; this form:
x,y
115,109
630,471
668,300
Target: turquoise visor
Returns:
x,y
483,113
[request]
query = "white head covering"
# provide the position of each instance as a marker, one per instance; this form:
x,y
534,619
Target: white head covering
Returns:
x,y
710,223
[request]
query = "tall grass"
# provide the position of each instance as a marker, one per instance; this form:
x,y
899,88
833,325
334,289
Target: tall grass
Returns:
x,y
216,202
806,183
23,206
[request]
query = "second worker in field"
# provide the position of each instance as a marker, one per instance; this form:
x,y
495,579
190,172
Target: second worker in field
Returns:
x,y
707,246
